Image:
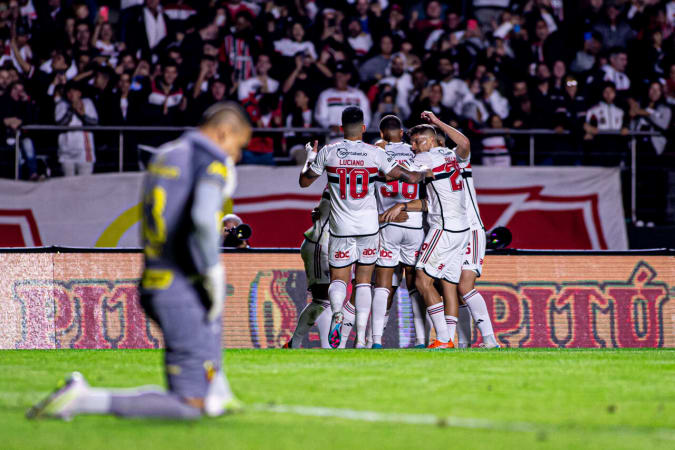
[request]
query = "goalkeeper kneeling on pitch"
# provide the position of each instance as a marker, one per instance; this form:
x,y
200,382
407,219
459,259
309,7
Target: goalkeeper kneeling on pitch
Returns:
x,y
183,284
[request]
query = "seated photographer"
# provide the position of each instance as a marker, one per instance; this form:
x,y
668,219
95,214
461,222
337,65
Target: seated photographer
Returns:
x,y
235,233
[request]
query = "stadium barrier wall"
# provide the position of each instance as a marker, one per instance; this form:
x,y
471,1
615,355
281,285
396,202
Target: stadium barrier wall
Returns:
x,y
88,299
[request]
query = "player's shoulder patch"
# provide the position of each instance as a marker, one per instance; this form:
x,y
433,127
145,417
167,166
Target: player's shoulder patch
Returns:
x,y
217,168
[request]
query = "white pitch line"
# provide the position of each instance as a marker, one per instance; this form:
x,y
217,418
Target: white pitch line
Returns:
x,y
409,419
444,421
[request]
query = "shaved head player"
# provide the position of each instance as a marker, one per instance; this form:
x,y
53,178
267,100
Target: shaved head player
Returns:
x,y
183,284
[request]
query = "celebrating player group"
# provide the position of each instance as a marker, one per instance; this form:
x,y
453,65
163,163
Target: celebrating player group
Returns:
x,y
369,230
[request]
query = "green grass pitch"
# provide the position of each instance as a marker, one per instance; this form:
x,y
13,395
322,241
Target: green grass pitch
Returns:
x,y
618,399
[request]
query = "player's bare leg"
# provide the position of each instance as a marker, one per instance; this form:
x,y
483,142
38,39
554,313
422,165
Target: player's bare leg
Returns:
x,y
435,307
476,304
337,291
418,308
451,306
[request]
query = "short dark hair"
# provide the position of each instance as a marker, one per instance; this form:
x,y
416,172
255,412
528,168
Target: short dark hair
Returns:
x,y
352,115
424,129
352,121
390,123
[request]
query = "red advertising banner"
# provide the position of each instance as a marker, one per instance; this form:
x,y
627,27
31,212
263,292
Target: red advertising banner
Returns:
x,y
90,300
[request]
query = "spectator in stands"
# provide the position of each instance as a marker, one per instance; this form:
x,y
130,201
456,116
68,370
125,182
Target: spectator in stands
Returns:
x,y
242,46
206,31
652,185
5,80
605,116
76,148
251,88
431,101
103,40
615,71
495,147
401,81
295,43
165,106
373,68
432,20
585,58
264,112
17,109
300,115
615,31
309,75
359,41
147,27
332,101
454,89
83,38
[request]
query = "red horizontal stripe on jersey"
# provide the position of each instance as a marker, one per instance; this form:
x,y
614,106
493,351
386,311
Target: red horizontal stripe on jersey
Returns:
x,y
349,169
277,197
439,169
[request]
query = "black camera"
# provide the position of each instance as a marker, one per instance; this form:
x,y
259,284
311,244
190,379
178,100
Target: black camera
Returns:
x,y
236,235
498,238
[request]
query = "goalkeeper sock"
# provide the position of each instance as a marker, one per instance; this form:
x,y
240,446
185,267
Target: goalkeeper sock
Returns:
x,y
464,327
418,317
323,323
307,318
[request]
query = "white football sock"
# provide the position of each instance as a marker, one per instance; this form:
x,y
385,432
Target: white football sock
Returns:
x,y
437,314
451,321
347,323
363,300
464,327
379,313
323,323
418,317
307,318
337,291
476,304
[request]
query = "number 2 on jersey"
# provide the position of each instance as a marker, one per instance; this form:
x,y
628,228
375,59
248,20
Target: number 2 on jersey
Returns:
x,y
454,184
355,175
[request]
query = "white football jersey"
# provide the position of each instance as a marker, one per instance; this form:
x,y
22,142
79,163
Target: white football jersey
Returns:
x,y
319,229
393,192
475,222
352,168
446,201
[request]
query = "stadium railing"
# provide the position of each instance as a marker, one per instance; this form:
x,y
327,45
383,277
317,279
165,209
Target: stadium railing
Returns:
x,y
327,134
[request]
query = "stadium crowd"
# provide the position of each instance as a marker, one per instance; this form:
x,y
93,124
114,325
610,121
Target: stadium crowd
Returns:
x,y
578,67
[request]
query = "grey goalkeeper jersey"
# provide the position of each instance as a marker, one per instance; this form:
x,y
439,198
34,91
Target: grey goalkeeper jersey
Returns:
x,y
185,189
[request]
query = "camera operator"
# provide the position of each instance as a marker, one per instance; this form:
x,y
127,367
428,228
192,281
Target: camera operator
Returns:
x,y
235,232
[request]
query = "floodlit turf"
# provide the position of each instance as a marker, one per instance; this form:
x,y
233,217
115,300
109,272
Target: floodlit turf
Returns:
x,y
518,398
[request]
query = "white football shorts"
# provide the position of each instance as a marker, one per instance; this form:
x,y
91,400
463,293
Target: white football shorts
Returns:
x,y
475,252
442,254
344,251
399,245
